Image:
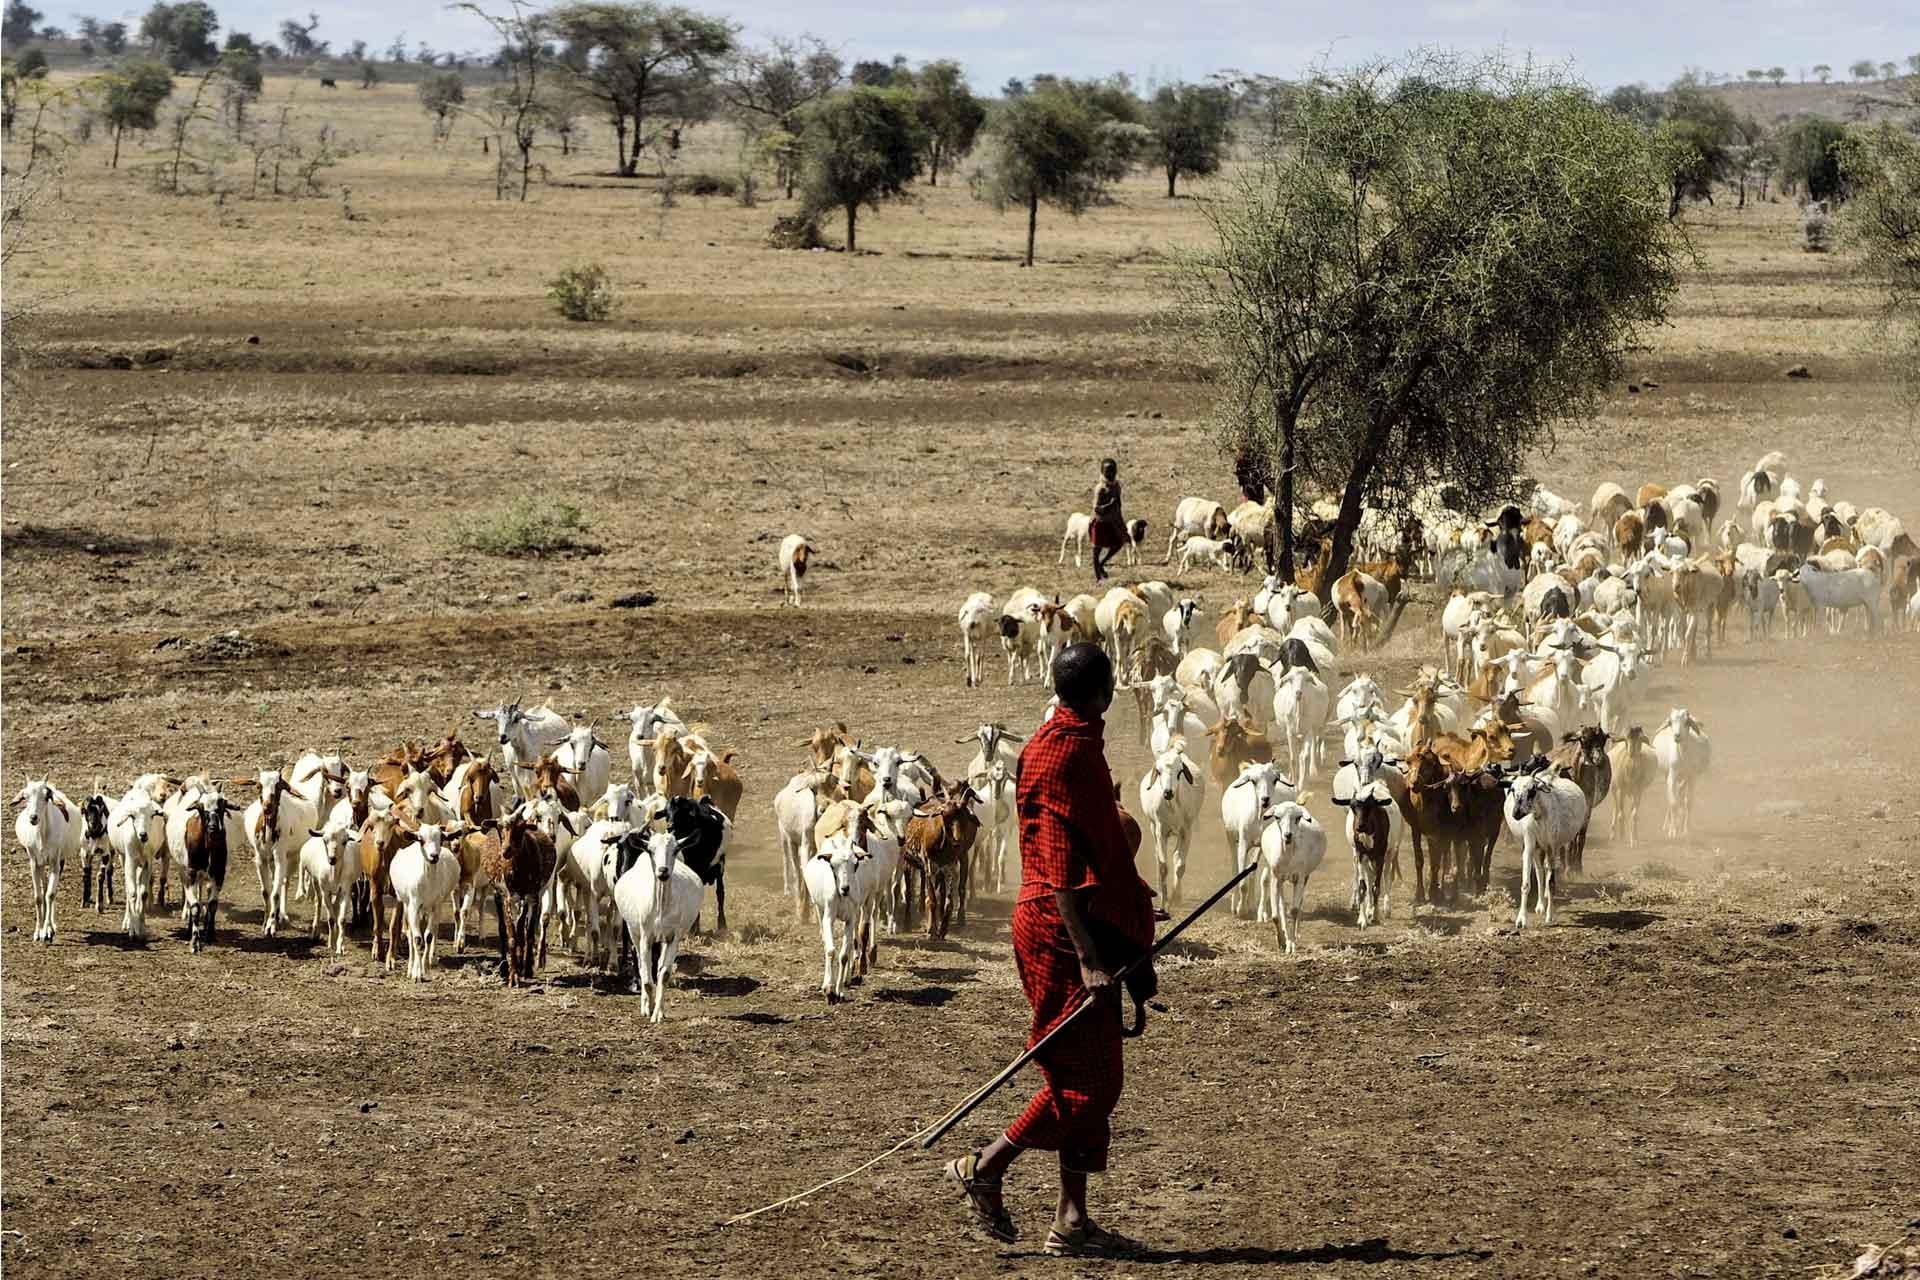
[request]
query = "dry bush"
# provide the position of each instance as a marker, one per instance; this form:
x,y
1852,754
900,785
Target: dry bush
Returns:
x,y
582,292
525,527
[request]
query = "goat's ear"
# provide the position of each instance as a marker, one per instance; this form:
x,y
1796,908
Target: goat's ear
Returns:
x,y
315,831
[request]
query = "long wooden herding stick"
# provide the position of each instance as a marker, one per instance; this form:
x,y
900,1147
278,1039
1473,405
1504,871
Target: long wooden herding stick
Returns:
x,y
934,1132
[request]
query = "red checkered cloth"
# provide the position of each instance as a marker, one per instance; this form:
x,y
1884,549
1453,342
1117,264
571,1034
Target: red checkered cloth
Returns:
x,y
1071,839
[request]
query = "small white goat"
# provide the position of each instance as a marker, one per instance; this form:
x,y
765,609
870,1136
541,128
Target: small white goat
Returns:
x,y
1292,847
659,898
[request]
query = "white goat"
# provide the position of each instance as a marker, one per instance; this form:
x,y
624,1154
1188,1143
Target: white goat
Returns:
x,y
525,735
1685,755
977,619
1547,815
324,857
1177,626
276,826
659,899
1170,796
138,834
1291,848
832,885
587,761
48,828
424,875
1300,702
794,551
1243,814
796,807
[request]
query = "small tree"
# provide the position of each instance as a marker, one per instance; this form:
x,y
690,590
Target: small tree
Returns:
x,y
297,38
441,96
20,23
113,38
1755,75
1863,69
32,64
1881,167
513,108
1696,143
768,88
860,146
134,95
1046,148
1191,125
1913,64
949,114
1778,75
1888,70
582,293
1810,158
368,76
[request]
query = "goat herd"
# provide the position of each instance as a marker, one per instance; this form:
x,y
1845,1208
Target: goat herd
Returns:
x,y
1525,725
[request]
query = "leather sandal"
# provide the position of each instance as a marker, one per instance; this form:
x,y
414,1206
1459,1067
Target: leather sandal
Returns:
x,y
1090,1241
983,1197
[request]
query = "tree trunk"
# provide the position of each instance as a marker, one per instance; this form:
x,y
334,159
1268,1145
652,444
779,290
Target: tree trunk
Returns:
x,y
620,146
116,148
1348,521
933,165
633,164
1172,173
526,167
1283,510
853,211
1033,222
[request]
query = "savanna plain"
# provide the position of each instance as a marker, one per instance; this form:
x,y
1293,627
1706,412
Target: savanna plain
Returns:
x,y
241,545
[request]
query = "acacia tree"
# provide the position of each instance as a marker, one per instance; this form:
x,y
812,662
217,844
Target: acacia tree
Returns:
x,y
860,146
1881,168
1695,142
949,114
641,61
1191,125
513,108
1424,283
1046,148
133,98
768,89
441,95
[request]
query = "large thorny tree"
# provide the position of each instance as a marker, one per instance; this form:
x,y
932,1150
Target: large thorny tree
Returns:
x,y
642,63
1442,265
1882,171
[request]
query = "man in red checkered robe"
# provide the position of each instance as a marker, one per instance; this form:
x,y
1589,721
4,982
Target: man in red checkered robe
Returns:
x,y
1077,882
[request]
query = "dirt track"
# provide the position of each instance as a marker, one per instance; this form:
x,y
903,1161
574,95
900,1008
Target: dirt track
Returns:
x,y
1707,1067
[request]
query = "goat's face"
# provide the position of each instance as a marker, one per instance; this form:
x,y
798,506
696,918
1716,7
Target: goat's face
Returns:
x,y
1525,794
663,849
619,802
581,744
35,798
272,784
432,841
359,788
845,862
93,817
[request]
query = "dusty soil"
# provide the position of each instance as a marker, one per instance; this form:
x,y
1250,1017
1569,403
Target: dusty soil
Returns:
x,y
1707,1066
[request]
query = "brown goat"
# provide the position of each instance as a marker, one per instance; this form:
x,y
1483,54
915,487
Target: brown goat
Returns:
x,y
1238,617
939,844
519,860
1236,744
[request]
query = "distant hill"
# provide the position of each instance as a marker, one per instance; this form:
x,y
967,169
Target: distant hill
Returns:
x,y
1873,100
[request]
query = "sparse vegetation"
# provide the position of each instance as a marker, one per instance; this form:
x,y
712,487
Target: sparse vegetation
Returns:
x,y
527,526
582,293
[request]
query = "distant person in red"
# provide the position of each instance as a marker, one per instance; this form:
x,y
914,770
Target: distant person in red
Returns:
x,y
1109,526
1077,884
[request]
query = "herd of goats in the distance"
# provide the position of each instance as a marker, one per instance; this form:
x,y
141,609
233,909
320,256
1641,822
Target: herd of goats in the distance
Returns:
x,y
1527,726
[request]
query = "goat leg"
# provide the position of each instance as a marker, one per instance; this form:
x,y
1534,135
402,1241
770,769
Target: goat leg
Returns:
x,y
500,915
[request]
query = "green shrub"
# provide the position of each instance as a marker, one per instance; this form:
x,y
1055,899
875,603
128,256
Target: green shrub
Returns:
x,y
706,184
526,527
582,293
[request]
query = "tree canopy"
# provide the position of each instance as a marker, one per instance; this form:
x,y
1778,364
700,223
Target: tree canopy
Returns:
x,y
642,62
950,115
182,33
1424,283
1810,156
1695,140
20,23
861,146
1881,167
1192,125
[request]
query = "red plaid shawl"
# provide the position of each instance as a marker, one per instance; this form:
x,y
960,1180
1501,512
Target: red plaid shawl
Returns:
x,y
1071,838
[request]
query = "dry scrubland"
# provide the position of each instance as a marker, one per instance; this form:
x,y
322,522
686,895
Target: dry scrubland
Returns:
x,y
1707,1067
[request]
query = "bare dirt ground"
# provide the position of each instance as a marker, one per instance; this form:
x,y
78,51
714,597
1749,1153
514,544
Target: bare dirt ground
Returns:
x,y
1708,1066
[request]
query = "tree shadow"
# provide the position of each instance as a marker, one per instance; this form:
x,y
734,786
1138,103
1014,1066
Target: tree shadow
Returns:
x,y
1447,926
755,1018
294,945
923,998
736,985
1616,921
1367,1251
116,938
930,973
72,539
1192,949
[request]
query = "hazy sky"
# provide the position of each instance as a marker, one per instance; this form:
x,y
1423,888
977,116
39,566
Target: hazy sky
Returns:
x,y
1605,43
